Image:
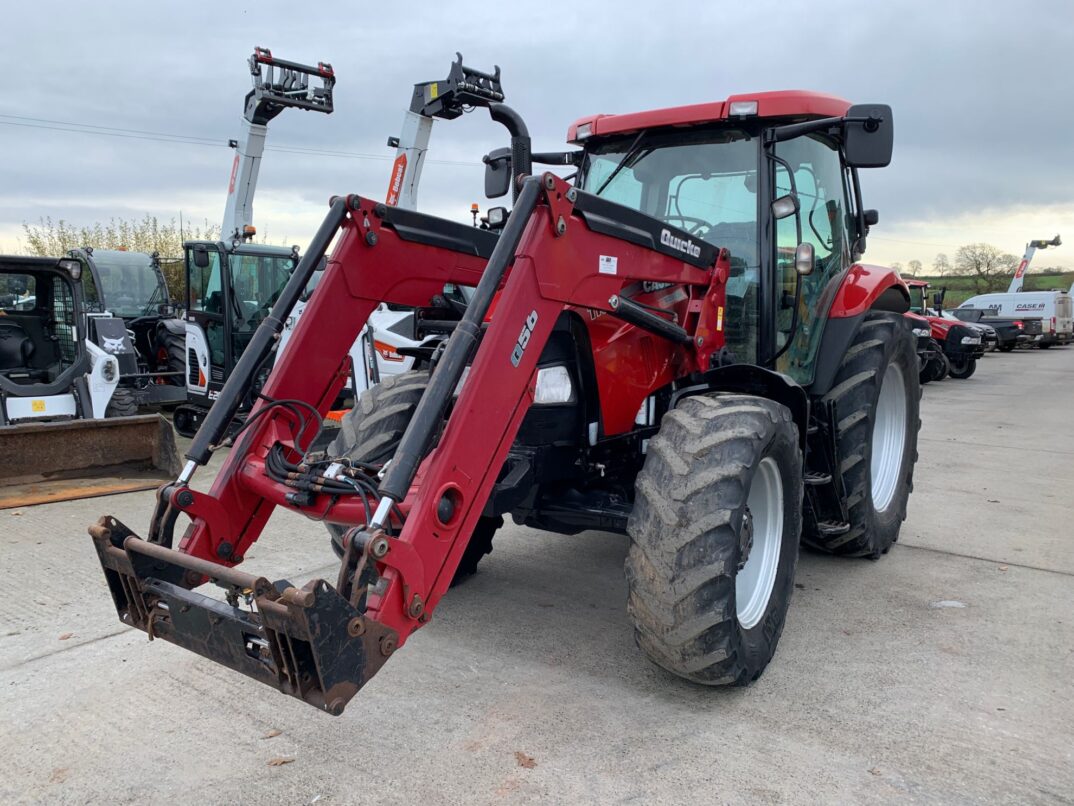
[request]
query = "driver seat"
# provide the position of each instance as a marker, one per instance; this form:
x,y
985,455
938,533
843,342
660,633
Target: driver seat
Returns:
x,y
16,348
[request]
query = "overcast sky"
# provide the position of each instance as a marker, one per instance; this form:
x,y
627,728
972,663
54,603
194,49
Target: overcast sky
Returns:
x,y
982,100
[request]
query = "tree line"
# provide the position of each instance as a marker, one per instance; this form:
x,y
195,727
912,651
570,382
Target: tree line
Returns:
x,y
50,238
988,267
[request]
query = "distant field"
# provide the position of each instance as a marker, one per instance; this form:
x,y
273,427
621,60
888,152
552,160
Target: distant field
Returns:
x,y
959,289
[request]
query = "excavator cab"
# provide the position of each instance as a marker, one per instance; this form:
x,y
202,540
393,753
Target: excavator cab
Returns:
x,y
229,292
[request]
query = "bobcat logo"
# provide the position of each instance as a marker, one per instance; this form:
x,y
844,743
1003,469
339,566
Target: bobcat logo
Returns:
x,y
113,346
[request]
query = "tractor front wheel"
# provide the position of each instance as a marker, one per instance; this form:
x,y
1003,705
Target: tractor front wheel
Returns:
x,y
877,398
370,432
963,368
714,537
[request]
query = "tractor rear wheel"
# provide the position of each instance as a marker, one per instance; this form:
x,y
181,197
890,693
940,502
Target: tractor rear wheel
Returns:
x,y
877,402
714,537
370,432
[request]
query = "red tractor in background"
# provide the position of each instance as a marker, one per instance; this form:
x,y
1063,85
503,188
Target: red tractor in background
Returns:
x,y
684,349
960,343
933,364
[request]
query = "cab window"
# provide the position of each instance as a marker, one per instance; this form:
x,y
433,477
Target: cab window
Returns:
x,y
205,289
822,197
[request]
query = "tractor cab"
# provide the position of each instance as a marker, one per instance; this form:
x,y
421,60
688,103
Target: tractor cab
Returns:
x,y
771,178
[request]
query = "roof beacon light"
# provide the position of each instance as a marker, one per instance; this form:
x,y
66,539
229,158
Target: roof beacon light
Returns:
x,y
743,108
583,131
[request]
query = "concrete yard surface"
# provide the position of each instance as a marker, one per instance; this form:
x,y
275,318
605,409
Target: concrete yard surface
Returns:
x,y
942,673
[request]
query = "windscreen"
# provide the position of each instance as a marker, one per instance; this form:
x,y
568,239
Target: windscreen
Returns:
x,y
130,285
704,182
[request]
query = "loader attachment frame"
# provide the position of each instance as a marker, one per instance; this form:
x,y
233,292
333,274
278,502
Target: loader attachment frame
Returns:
x,y
561,249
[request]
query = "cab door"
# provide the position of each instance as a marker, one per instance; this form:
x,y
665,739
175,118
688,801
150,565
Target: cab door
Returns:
x,y
207,325
820,182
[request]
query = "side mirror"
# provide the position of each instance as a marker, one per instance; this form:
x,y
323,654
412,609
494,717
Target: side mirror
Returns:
x,y
804,259
497,173
784,206
872,217
201,256
868,135
937,299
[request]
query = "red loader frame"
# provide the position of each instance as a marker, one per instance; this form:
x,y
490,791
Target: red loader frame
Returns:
x,y
322,644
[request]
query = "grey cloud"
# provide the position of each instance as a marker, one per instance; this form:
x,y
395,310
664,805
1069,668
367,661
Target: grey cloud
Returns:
x,y
981,95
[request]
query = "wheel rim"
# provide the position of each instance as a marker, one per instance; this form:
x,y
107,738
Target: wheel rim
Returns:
x,y
764,514
889,438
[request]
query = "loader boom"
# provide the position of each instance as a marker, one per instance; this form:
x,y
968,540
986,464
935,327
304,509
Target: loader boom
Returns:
x,y
278,84
400,561
447,99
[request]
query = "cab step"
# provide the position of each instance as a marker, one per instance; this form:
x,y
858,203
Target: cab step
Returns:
x,y
833,528
816,479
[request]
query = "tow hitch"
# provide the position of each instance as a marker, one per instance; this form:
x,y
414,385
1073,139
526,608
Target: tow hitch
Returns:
x,y
308,642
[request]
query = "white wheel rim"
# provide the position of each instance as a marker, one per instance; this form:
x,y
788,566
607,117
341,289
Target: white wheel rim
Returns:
x,y
757,578
889,438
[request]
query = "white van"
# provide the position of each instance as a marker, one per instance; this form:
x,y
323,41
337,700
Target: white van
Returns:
x,y
1055,308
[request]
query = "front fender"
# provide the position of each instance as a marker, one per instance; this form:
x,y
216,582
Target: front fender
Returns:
x,y
870,288
752,380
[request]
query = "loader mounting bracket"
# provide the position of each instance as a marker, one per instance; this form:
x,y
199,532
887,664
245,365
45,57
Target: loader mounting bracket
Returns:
x,y
307,642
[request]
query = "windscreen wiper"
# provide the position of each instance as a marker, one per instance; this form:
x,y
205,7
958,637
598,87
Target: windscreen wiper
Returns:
x,y
629,158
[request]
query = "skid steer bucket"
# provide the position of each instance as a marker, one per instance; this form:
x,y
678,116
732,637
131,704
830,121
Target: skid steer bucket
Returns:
x,y
43,462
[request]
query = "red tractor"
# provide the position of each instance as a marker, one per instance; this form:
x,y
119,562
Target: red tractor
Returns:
x,y
960,344
684,349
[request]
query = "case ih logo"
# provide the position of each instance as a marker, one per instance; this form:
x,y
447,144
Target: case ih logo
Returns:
x,y
395,187
1029,306
684,245
1021,268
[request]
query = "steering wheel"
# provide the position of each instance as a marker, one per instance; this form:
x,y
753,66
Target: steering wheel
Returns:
x,y
698,224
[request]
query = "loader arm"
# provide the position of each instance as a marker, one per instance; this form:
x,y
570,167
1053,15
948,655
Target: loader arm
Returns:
x,y
562,248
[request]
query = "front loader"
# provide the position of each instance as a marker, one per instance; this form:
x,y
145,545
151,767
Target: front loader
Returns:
x,y
681,346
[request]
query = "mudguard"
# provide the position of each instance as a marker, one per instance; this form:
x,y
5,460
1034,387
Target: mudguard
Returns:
x,y
864,288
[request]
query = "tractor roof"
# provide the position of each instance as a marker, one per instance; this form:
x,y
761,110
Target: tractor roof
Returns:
x,y
783,104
